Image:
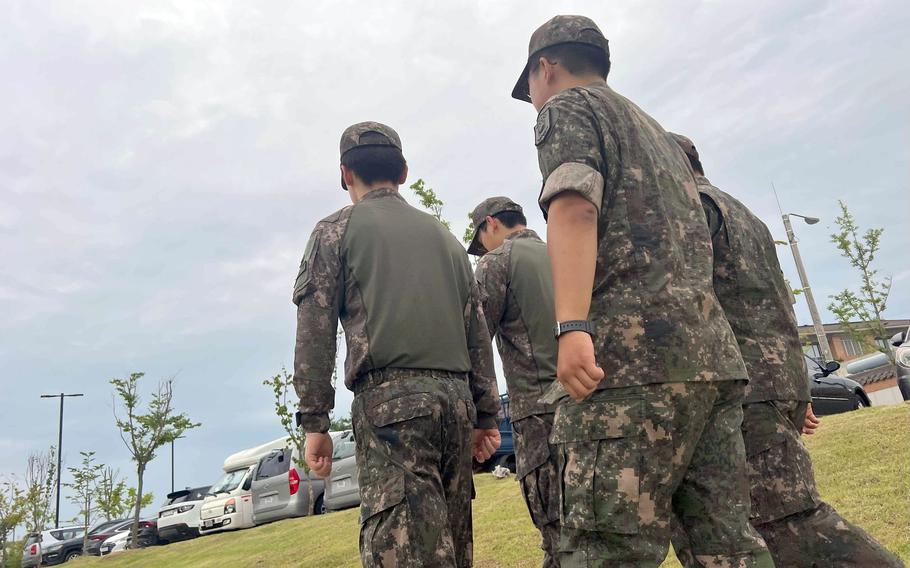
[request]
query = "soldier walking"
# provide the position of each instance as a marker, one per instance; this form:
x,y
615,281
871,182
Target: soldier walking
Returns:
x,y
517,291
652,431
418,360
800,529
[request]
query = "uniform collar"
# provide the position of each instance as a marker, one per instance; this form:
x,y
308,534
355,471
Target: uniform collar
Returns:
x,y
382,192
523,234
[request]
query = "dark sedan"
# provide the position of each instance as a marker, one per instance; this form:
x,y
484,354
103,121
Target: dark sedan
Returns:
x,y
95,539
832,394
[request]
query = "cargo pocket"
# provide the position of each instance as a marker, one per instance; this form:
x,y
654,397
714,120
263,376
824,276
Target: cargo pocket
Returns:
x,y
600,464
780,477
378,502
532,450
402,408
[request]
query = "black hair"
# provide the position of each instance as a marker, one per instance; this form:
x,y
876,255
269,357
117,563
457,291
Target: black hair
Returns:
x,y
696,164
577,58
509,219
375,163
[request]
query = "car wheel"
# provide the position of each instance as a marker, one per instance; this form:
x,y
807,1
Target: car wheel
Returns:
x,y
859,402
507,461
71,555
319,506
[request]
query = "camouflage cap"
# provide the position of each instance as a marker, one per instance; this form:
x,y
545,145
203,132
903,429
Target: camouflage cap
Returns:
x,y
488,207
560,29
368,134
688,147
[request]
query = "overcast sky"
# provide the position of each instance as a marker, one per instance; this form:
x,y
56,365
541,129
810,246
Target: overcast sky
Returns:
x,y
163,163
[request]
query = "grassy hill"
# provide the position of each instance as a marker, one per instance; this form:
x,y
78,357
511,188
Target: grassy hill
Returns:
x,y
862,462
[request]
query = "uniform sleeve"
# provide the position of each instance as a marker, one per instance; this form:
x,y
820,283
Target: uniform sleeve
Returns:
x,y
713,216
484,389
492,276
317,293
569,150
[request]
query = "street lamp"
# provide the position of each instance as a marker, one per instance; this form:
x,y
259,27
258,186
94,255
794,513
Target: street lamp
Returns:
x,y
804,280
172,461
59,451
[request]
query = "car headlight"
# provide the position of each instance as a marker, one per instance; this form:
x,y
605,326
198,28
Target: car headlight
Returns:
x,y
230,507
902,355
185,508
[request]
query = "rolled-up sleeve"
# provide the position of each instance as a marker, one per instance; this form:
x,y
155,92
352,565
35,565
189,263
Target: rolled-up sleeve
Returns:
x,y
569,150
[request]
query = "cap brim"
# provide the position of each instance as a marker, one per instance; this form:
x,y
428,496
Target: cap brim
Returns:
x,y
476,248
522,91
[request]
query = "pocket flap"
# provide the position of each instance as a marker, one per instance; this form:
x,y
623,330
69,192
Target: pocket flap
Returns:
x,y
382,494
402,408
597,420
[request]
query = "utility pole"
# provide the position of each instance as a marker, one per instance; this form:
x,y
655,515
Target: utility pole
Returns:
x,y
59,451
804,280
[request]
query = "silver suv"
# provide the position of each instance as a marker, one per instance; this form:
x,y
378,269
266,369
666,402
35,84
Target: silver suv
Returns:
x,y
280,489
31,554
343,490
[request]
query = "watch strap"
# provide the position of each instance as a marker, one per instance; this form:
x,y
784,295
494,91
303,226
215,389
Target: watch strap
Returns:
x,y
573,325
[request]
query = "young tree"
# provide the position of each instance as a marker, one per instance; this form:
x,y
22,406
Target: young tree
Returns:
x,y
869,303
40,478
143,434
110,494
286,411
430,201
12,512
338,424
85,478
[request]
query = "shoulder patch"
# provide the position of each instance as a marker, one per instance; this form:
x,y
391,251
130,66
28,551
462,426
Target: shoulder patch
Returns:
x,y
542,128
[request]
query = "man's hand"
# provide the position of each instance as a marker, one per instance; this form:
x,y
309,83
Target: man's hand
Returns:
x,y
486,442
811,422
576,368
318,454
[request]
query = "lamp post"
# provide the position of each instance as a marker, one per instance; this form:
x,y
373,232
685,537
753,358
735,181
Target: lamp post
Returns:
x,y
172,461
59,451
804,280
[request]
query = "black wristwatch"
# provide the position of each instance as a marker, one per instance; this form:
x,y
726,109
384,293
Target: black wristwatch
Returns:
x,y
573,325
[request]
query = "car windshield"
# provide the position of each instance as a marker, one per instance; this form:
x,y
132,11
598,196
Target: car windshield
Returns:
x,y
104,526
32,539
228,482
178,498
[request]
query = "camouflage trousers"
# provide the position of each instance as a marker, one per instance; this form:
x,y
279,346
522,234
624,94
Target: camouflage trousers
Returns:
x,y
800,530
537,469
634,459
414,432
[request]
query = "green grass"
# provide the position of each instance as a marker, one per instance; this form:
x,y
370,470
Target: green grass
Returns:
x,y
862,463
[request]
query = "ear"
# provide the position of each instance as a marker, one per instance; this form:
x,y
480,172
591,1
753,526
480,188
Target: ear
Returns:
x,y
347,176
491,222
404,175
547,67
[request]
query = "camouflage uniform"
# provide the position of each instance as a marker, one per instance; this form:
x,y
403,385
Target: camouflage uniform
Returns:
x,y
660,438
517,291
418,360
799,528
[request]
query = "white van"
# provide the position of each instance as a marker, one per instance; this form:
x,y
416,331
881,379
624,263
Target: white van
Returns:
x,y
229,503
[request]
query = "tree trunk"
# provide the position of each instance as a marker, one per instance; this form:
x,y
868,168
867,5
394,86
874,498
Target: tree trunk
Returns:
x,y
134,531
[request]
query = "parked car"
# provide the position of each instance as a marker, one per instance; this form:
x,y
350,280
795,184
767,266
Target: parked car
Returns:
x,y
116,543
178,518
146,534
342,489
832,394
95,540
901,343
64,551
280,488
31,554
229,503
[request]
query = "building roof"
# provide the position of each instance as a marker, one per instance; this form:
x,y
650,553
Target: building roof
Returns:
x,y
894,324
875,375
